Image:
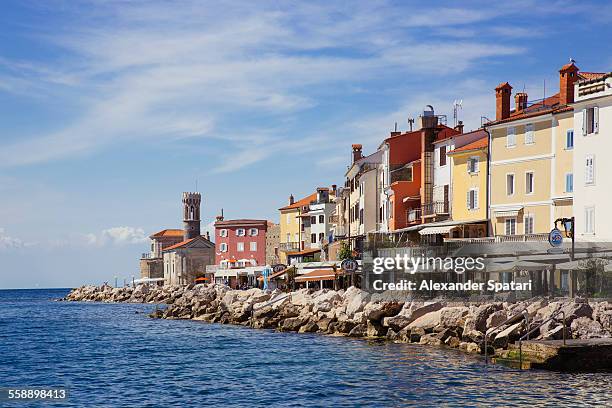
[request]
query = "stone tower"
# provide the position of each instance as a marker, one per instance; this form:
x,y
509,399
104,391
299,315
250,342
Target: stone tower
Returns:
x,y
191,215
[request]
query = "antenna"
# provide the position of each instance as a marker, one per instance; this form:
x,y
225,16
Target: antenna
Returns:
x,y
410,122
396,126
544,98
457,104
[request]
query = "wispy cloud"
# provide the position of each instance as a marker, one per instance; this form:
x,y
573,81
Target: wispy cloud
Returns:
x,y
10,242
117,236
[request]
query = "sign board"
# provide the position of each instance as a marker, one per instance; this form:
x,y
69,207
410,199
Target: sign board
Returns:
x,y
278,267
349,265
555,237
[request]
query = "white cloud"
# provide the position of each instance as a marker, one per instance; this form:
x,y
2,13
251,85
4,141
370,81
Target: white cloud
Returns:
x,y
117,236
9,242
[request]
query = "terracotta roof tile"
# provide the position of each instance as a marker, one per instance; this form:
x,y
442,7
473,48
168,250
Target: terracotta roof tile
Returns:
x,y
301,203
168,233
178,245
592,75
475,145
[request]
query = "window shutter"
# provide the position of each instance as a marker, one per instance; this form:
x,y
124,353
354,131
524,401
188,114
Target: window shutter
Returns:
x,y
476,165
468,199
584,122
596,119
476,199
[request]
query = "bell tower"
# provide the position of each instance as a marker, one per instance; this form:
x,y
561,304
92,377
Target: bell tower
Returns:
x,y
191,215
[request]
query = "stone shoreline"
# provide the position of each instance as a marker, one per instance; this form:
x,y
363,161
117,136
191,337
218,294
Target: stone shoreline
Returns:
x,y
356,313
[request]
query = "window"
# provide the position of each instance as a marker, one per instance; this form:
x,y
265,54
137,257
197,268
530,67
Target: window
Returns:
x,y
296,237
321,237
589,170
472,165
569,139
321,219
240,232
409,174
590,120
528,222
589,220
288,218
223,233
510,226
253,232
313,220
509,184
253,246
313,238
529,187
442,156
472,199
288,237
510,137
529,134
361,216
240,246
569,183
223,247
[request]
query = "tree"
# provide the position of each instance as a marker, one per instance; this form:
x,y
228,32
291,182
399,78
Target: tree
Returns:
x,y
345,252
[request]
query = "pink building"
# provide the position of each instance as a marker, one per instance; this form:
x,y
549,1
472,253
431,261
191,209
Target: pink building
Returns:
x,y
240,243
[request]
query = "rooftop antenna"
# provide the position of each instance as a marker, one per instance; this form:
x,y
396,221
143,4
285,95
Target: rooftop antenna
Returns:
x,y
396,126
410,122
544,98
457,104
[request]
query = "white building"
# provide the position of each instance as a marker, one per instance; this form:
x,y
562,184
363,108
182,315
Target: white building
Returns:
x,y
320,218
592,164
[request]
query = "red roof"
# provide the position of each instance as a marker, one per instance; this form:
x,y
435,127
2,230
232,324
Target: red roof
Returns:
x,y
592,75
301,203
475,145
178,245
320,274
240,222
168,233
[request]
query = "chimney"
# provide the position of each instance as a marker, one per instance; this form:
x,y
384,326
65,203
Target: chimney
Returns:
x,y
291,199
220,216
428,120
568,75
520,101
208,235
356,152
459,127
502,101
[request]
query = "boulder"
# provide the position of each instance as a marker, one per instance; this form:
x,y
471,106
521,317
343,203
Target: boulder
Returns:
x,y
375,329
496,318
414,334
323,324
472,348
397,323
427,322
377,311
292,324
358,331
585,328
355,300
574,310
309,327
430,339
481,314
453,316
507,335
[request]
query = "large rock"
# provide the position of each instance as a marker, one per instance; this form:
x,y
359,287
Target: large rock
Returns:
x,y
377,311
427,322
292,323
481,314
507,335
576,309
585,328
453,316
496,318
355,300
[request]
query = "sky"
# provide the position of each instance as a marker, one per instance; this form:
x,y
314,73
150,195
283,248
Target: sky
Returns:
x,y
110,109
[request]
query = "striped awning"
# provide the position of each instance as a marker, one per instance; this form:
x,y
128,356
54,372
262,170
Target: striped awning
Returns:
x,y
437,230
508,211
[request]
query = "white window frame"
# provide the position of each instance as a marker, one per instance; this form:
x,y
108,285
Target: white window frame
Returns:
x,y
566,185
253,232
253,246
589,176
223,232
512,222
589,220
567,139
511,131
532,182
473,165
525,218
513,184
240,232
529,134
593,112
223,247
240,246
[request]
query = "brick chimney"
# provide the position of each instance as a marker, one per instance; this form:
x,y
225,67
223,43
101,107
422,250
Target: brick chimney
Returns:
x,y
356,152
291,199
459,127
502,101
520,101
568,75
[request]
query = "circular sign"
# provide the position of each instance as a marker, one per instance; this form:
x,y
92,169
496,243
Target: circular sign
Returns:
x,y
278,267
349,265
555,237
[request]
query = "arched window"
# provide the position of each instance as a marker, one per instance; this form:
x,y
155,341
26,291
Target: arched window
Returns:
x,y
191,213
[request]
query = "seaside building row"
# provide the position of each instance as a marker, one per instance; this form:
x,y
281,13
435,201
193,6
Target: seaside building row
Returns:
x,y
507,181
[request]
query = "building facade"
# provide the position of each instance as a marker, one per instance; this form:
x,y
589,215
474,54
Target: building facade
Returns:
x,y
151,263
240,243
293,234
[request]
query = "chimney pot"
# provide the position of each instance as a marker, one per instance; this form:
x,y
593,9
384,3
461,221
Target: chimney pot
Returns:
x,y
357,152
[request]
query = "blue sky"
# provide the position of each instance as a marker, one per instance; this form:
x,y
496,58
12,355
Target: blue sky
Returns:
x,y
110,109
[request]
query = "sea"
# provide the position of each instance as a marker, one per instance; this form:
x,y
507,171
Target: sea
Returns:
x,y
114,355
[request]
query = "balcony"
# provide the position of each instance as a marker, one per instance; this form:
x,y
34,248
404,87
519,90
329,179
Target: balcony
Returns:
x,y
543,237
435,208
414,215
289,246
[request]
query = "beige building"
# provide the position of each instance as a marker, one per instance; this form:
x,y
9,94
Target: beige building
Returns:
x,y
187,260
151,263
272,243
531,159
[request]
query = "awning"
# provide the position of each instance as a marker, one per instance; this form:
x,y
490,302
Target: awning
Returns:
x,y
319,275
508,211
437,230
304,252
275,275
409,198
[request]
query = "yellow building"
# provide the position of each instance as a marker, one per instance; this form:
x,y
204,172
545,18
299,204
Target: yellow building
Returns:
x,y
531,159
469,189
292,234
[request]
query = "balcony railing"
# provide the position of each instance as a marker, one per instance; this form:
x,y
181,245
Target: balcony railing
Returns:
x,y
289,246
542,237
414,215
435,208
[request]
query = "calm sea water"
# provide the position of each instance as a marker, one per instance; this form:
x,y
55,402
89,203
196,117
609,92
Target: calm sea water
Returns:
x,y
113,355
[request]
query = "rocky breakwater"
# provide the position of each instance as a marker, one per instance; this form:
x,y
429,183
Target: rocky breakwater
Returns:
x,y
356,313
